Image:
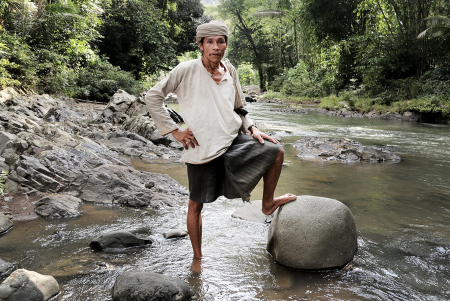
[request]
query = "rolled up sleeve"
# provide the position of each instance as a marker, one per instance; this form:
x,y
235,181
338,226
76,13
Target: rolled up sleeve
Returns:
x,y
154,101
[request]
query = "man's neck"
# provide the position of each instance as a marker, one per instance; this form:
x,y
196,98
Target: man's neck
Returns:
x,y
211,66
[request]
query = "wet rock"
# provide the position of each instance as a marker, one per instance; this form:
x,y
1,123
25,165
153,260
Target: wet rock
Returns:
x,y
342,150
148,286
112,184
175,234
312,233
250,99
5,267
26,285
118,240
57,206
5,223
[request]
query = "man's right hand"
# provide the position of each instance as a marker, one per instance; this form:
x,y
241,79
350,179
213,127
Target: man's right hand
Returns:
x,y
185,136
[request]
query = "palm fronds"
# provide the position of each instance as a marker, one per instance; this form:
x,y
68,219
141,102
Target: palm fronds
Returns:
x,y
438,27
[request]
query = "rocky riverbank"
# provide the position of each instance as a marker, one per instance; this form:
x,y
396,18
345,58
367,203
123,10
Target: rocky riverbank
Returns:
x,y
407,116
60,153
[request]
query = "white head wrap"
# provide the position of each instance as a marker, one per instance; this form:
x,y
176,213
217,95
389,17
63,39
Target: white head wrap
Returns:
x,y
213,28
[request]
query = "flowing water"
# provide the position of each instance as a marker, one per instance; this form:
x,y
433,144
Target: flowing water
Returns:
x,y
401,210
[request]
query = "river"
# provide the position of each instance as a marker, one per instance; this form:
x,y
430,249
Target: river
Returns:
x,y
401,210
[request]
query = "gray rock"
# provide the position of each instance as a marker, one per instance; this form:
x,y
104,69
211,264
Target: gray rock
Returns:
x,y
62,113
123,106
5,138
3,165
141,125
342,150
118,240
57,206
11,186
26,285
148,286
252,211
175,234
252,90
5,267
410,116
112,184
5,223
313,233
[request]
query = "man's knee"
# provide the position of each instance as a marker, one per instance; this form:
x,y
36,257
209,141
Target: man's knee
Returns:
x,y
280,155
195,207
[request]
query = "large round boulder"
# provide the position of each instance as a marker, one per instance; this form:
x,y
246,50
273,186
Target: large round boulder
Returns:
x,y
313,233
149,286
28,285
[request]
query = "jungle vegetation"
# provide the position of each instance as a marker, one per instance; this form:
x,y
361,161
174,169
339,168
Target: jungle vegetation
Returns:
x,y
372,54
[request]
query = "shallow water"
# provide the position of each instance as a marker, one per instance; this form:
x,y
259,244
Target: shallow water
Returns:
x,y
402,214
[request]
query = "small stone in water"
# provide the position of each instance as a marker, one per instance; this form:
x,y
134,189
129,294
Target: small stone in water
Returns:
x,y
175,234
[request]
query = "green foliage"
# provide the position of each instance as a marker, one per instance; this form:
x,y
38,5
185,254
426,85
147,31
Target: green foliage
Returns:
x,y
133,42
247,75
18,63
100,80
272,95
3,174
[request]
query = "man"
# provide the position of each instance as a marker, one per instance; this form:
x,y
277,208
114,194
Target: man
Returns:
x,y
219,161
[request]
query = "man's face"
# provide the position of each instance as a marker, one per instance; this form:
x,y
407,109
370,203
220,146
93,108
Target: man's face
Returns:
x,y
213,48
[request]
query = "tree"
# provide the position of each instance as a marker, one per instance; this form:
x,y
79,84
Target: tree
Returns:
x,y
135,37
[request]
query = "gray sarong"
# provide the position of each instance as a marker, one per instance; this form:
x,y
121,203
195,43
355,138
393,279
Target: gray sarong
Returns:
x,y
234,174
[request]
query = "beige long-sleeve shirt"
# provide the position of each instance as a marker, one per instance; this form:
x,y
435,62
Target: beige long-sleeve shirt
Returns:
x,y
207,109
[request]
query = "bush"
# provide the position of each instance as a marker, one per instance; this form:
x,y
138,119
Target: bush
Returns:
x,y
18,63
100,80
247,75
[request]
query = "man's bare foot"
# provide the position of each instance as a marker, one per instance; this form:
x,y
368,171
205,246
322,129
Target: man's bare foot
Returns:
x,y
269,207
196,265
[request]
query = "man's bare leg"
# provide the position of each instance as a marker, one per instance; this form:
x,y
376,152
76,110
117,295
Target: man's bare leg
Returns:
x,y
194,225
269,203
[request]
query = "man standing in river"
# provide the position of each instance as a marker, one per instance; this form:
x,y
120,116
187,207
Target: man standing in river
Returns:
x,y
220,161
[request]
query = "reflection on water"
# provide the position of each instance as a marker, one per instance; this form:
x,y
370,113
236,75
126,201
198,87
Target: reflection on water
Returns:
x,y
401,212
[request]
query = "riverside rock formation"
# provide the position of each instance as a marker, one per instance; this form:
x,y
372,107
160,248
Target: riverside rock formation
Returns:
x,y
312,233
51,146
341,150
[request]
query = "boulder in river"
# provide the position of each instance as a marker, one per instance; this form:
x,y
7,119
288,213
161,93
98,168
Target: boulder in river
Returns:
x,y
120,239
57,206
341,150
149,286
5,223
27,285
5,267
175,233
313,233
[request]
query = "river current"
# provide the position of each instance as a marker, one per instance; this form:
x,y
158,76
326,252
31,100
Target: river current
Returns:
x,y
401,210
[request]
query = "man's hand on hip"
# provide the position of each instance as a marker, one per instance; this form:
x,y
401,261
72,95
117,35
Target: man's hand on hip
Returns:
x,y
185,136
260,136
